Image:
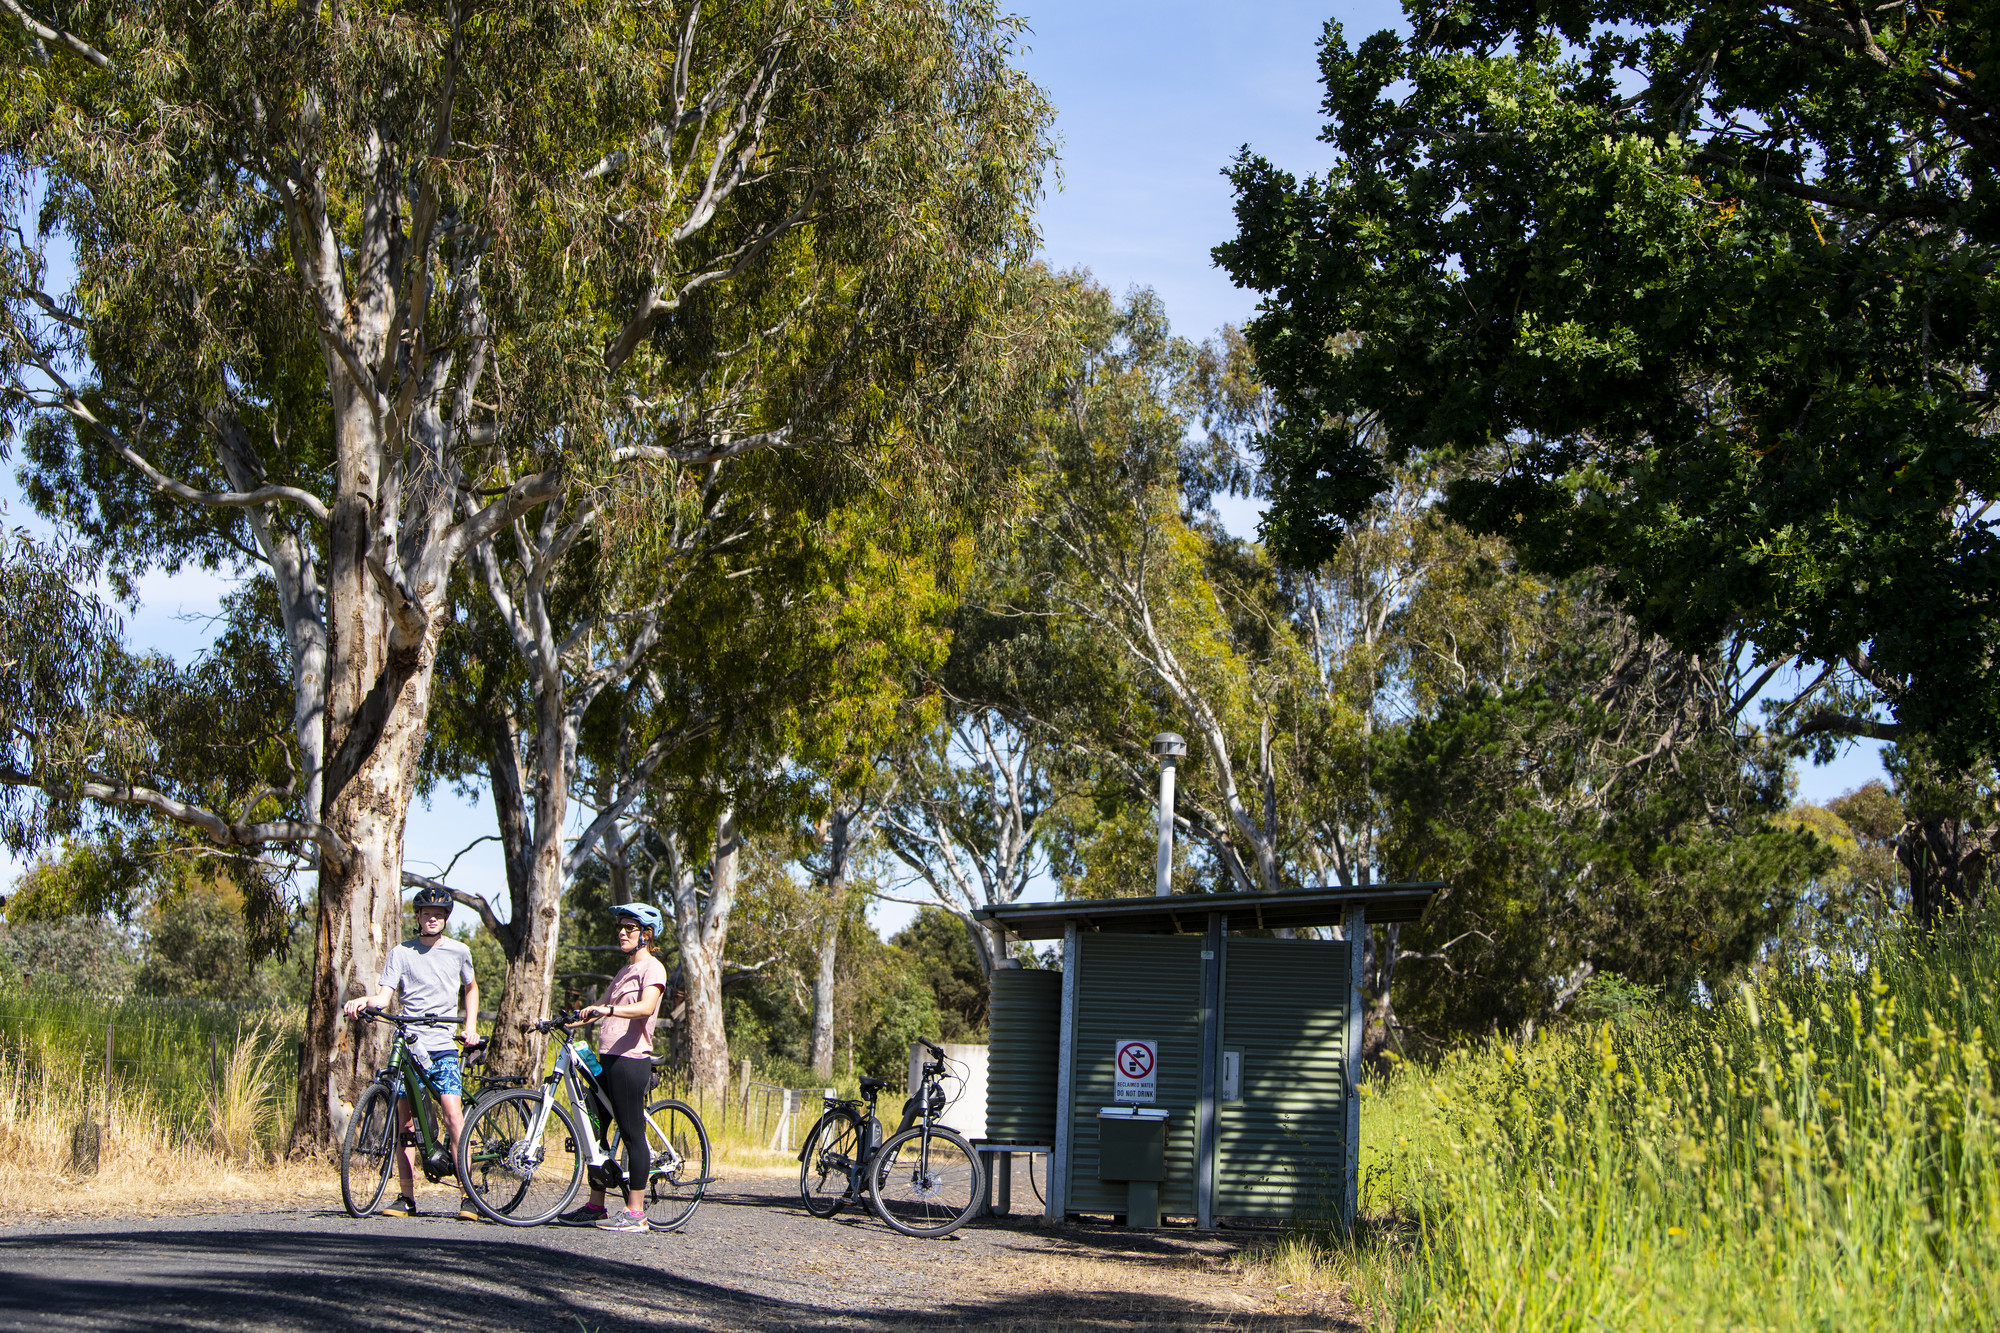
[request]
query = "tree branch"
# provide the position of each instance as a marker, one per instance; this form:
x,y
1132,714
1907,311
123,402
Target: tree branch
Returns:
x,y
502,931
61,37
221,831
1852,203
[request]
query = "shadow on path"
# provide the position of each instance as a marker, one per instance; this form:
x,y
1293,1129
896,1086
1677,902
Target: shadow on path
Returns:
x,y
297,1277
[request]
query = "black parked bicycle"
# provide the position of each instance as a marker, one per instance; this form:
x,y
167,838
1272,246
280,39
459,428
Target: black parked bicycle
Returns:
x,y
925,1181
368,1151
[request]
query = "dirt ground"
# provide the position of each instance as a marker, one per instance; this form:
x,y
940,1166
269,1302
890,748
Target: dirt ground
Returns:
x,y
750,1259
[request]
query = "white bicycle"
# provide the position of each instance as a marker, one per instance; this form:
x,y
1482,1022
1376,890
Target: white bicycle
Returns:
x,y
525,1153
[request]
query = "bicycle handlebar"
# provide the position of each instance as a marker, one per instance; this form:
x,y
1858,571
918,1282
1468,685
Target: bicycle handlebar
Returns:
x,y
408,1020
374,1015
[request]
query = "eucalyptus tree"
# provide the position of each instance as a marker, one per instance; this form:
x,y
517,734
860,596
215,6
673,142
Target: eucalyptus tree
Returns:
x,y
357,289
1112,541
1702,293
966,818
783,678
840,840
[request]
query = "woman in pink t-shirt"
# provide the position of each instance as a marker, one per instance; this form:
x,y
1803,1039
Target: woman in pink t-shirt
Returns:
x,y
629,1011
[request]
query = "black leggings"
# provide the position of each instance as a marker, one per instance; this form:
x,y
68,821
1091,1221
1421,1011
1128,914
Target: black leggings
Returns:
x,y
625,1081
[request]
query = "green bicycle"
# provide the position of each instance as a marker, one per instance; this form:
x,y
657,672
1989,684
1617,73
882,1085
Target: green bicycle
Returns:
x,y
368,1151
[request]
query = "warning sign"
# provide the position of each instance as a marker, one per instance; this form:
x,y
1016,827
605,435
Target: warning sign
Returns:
x,y
1138,1071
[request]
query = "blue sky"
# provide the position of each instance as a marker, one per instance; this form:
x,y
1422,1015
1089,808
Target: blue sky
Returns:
x,y
1153,102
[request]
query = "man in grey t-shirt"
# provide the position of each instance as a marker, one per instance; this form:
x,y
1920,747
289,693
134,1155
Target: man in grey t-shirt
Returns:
x,y
432,975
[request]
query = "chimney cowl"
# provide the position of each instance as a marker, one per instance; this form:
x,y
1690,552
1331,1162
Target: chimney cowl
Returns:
x,y
1167,745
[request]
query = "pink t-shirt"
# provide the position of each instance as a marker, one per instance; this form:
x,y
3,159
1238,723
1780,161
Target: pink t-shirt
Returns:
x,y
631,1036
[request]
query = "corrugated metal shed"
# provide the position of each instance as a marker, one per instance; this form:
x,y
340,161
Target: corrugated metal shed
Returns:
x,y
1024,1033
1285,1142
1280,1144
1150,989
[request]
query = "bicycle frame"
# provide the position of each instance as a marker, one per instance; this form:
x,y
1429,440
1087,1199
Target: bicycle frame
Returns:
x,y
403,1075
914,1109
588,1100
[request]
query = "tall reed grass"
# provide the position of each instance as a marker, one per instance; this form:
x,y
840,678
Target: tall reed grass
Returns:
x,y
160,1048
1816,1150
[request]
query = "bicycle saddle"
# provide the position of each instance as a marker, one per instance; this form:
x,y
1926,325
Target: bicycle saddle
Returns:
x,y
869,1085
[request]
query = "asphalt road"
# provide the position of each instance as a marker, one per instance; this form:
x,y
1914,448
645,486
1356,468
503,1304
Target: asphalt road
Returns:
x,y
750,1259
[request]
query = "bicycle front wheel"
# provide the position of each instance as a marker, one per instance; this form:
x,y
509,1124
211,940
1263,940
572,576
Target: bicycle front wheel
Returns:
x,y
514,1174
926,1181
368,1151
678,1144
829,1164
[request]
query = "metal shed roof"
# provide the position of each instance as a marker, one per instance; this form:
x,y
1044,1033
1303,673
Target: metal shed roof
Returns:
x,y
1177,913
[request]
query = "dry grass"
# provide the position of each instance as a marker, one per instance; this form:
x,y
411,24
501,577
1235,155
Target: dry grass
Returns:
x,y
1071,1284
245,1112
143,1168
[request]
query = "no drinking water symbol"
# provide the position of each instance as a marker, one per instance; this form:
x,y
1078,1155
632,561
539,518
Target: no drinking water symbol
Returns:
x,y
1135,1059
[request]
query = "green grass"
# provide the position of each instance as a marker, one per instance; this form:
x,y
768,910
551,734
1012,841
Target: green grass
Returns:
x,y
160,1051
1814,1151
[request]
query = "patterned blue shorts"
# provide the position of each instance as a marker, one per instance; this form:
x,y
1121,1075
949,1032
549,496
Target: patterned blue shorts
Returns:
x,y
446,1074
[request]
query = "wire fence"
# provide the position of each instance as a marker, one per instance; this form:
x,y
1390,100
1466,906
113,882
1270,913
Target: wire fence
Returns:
x,y
190,1068
192,1081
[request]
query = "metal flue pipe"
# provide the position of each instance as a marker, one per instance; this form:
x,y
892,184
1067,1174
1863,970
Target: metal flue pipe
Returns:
x,y
1168,749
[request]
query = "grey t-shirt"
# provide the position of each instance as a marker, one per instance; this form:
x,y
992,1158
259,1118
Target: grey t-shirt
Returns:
x,y
429,979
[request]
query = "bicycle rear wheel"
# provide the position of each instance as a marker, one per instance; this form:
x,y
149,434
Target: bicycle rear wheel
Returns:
x,y
926,1181
678,1144
367,1151
513,1174
829,1164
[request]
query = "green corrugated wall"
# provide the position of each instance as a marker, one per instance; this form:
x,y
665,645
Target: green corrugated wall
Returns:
x,y
1146,987
1024,1034
1279,1148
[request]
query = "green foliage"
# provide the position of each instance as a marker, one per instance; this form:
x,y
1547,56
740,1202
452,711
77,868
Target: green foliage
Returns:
x,y
935,944
195,933
67,955
198,948
1610,998
1591,806
1702,292
903,1008
489,964
1817,1149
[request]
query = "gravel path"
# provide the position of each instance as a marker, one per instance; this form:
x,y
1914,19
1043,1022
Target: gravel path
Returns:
x,y
750,1260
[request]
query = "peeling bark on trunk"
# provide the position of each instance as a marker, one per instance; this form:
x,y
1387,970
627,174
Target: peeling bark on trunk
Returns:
x,y
703,931
531,965
360,916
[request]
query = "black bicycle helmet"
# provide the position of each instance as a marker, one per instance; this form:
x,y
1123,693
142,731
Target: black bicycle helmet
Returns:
x,y
432,897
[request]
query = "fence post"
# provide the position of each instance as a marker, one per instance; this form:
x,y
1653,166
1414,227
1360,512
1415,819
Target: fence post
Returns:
x,y
214,1071
107,1080
743,1086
